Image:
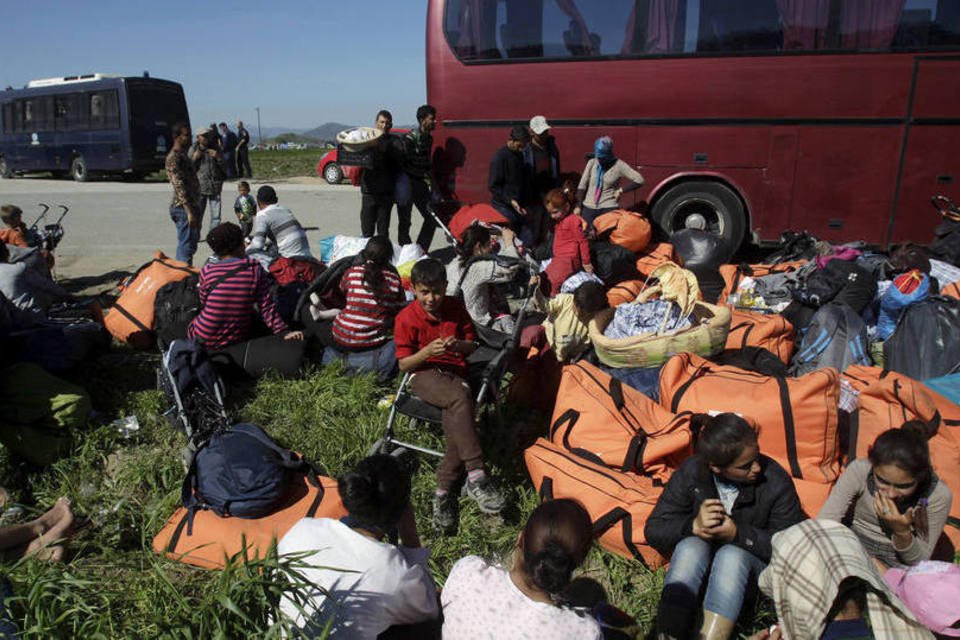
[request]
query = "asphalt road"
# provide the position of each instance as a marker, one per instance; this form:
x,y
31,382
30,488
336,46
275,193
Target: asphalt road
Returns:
x,y
115,226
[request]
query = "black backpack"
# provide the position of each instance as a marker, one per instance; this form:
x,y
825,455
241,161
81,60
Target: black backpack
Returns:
x,y
178,303
612,263
926,342
240,472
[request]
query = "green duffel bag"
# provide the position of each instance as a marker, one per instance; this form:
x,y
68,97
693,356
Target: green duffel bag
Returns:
x,y
38,412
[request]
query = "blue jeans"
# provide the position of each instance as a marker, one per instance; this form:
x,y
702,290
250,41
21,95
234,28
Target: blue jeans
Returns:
x,y
214,202
728,570
589,215
187,238
382,360
517,222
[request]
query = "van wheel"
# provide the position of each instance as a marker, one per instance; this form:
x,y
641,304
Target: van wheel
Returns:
x,y
332,173
78,169
709,206
5,169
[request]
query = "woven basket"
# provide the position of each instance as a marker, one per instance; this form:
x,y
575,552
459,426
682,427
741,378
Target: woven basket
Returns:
x,y
359,146
706,337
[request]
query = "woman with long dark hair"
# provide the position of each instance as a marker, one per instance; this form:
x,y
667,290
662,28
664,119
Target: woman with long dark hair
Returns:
x,y
481,600
715,520
893,500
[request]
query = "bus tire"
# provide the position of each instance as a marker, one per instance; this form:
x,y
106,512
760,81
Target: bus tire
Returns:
x,y
5,171
78,169
332,173
711,206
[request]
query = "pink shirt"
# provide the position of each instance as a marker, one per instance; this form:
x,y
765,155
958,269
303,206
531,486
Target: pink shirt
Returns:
x,y
480,601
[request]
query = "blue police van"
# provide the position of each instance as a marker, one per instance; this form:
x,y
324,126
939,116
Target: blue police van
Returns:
x,y
89,124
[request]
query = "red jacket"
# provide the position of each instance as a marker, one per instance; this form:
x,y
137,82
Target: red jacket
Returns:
x,y
569,241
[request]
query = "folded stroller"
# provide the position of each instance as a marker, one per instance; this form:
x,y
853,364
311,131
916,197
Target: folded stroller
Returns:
x,y
195,393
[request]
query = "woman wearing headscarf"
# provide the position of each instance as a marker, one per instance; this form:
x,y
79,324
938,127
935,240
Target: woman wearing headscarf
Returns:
x,y
599,190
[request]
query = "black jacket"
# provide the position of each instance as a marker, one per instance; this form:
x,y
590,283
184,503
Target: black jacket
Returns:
x,y
380,180
761,509
507,177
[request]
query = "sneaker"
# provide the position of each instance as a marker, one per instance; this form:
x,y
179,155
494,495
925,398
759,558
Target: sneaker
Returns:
x,y
446,512
485,494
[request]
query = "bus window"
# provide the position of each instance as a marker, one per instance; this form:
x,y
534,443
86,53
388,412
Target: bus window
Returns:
x,y
525,29
746,25
928,23
28,119
18,116
104,110
8,117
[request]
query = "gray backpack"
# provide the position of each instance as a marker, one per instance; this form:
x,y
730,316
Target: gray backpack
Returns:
x,y
836,337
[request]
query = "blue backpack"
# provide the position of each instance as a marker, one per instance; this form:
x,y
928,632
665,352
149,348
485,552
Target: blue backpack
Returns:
x,y
836,337
240,472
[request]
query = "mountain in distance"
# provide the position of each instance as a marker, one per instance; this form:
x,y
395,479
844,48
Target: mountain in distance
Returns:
x,y
327,131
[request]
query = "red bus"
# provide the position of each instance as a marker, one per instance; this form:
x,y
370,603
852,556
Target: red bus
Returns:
x,y
841,117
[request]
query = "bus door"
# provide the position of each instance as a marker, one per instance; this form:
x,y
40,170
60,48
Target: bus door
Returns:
x,y
929,164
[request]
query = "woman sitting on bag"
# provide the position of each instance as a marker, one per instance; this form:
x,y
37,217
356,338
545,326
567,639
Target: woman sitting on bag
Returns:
x,y
476,274
230,289
893,500
485,601
365,573
716,517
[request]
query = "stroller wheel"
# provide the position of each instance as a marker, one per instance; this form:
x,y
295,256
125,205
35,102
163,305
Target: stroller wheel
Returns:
x,y
407,458
380,447
186,456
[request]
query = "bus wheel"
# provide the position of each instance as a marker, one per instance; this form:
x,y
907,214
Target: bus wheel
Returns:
x,y
332,173
5,170
78,169
709,206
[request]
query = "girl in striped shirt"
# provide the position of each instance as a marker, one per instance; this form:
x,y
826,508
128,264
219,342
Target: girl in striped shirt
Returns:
x,y
230,291
363,330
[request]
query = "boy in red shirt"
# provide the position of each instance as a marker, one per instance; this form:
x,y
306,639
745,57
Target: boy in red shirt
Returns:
x,y
434,336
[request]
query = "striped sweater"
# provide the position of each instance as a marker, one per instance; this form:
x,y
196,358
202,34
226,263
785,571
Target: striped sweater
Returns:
x,y
227,310
367,319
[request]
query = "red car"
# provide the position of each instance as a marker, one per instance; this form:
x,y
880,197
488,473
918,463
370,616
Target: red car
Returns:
x,y
333,172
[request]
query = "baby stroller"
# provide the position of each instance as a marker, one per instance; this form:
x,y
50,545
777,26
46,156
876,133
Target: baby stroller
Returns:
x,y
48,236
489,366
194,391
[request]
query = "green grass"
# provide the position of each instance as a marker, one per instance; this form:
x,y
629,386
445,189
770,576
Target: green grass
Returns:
x,y
268,165
114,586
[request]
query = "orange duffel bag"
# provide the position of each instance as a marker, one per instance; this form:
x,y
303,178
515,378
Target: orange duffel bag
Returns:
x,y
627,229
130,319
654,256
733,274
770,331
797,417
887,400
213,541
617,424
623,292
618,503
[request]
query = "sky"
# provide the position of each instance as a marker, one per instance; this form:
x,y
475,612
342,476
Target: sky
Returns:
x,y
303,63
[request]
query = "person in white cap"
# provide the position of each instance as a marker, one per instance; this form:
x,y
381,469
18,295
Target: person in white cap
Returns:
x,y
542,160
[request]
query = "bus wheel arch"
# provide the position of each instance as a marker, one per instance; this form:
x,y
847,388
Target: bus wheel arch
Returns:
x,y
78,169
5,171
704,202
